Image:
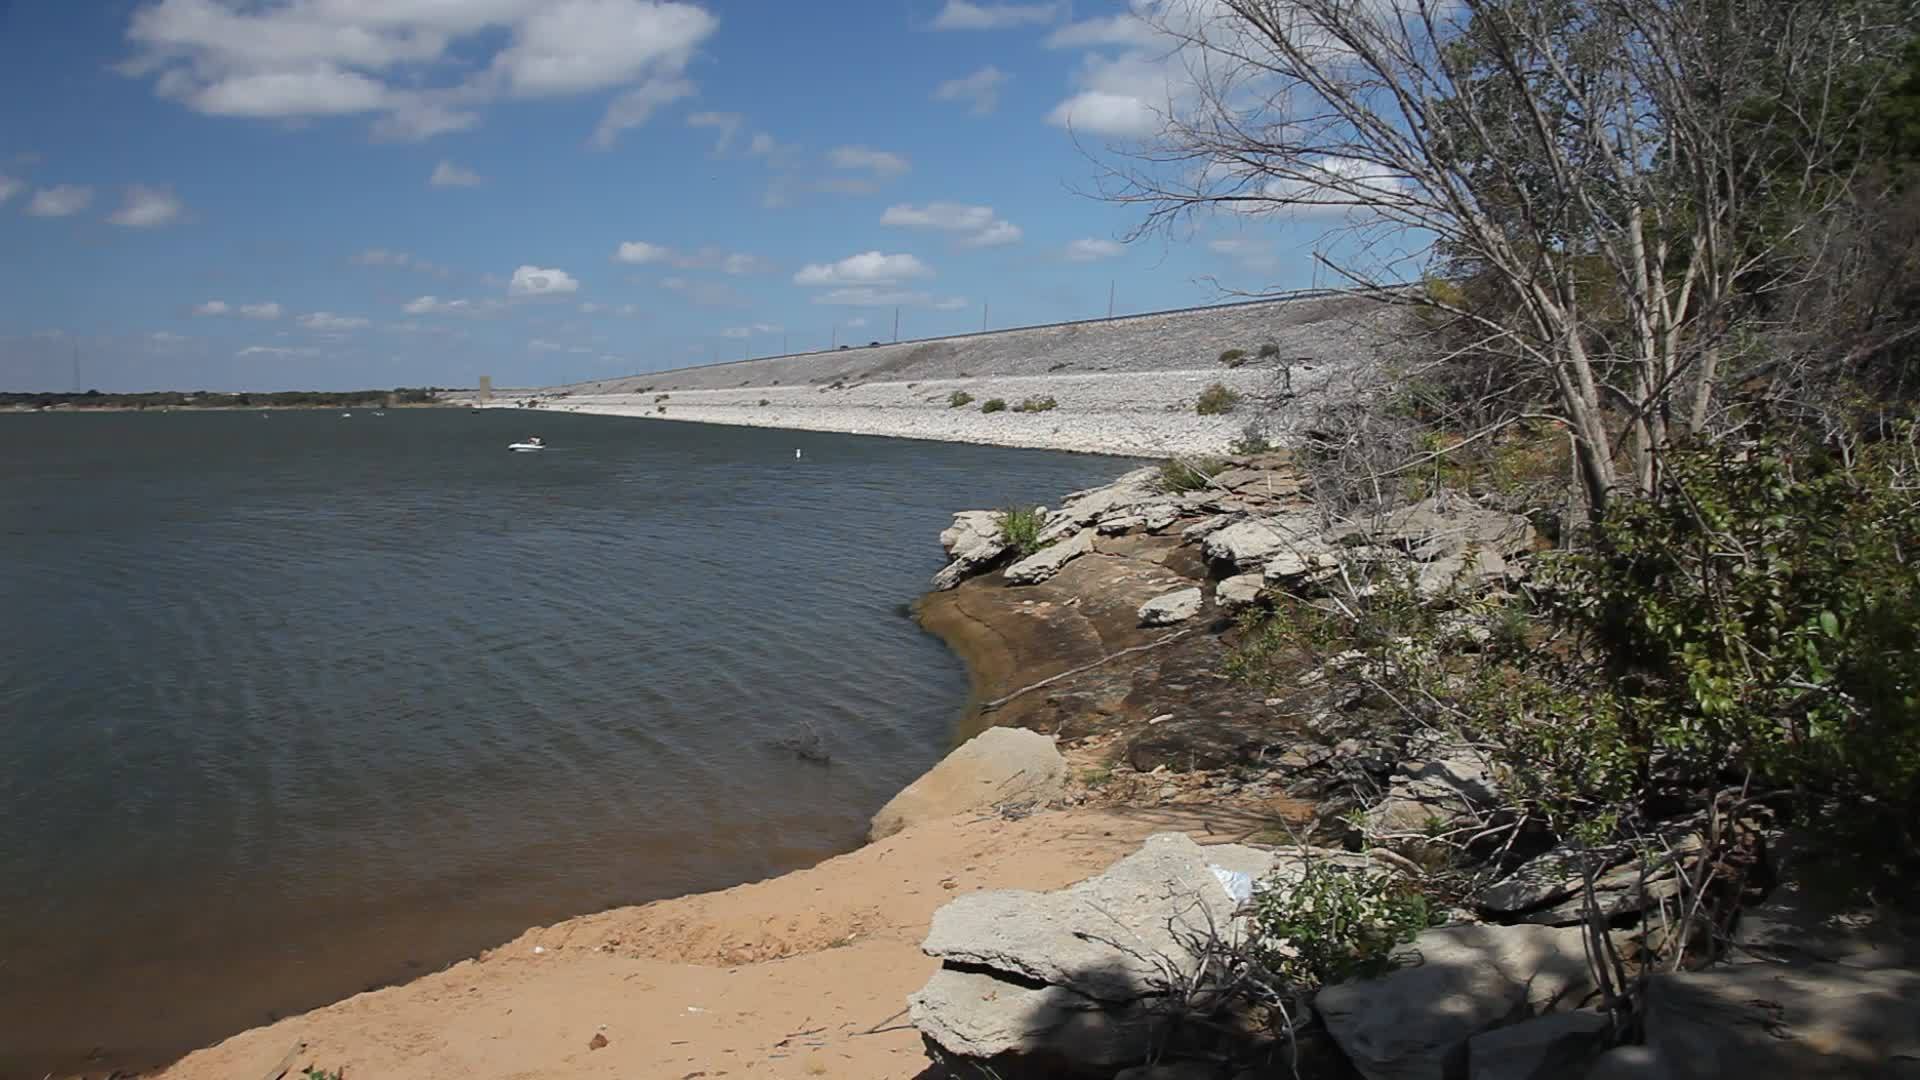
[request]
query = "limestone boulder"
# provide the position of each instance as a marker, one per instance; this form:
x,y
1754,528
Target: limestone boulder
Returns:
x,y
977,1015
1545,1048
998,766
970,529
1174,607
1047,562
1254,541
1451,985
1239,591
975,560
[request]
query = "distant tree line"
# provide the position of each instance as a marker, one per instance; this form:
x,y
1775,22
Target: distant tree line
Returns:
x,y
207,399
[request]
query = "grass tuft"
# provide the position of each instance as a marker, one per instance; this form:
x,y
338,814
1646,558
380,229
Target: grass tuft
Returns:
x,y
1037,404
1020,528
994,405
959,399
1216,400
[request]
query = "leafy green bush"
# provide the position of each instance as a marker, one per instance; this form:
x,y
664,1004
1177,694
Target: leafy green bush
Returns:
x,y
1216,400
1188,474
1233,357
764,403
1020,528
994,405
1269,351
1037,404
959,399
1334,924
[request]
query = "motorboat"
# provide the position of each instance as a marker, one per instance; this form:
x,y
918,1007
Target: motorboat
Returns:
x,y
527,447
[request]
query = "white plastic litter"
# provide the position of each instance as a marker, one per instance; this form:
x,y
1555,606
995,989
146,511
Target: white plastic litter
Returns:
x,y
1239,886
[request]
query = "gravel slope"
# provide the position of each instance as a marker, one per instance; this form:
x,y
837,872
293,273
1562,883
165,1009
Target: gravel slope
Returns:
x,y
1122,386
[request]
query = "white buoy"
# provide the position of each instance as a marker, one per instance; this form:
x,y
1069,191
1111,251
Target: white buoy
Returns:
x,y
796,453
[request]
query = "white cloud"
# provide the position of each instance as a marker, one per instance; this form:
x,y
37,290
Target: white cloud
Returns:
x,y
165,337
1141,67
447,174
749,331
981,228
635,107
543,345
328,322
266,312
1101,113
866,268
726,123
59,201
640,252
533,281
951,303
147,208
419,67
382,257
981,89
9,187
276,350
963,15
211,307
433,305
1090,248
878,162
855,322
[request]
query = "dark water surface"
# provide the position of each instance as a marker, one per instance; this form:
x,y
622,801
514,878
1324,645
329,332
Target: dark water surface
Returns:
x,y
296,705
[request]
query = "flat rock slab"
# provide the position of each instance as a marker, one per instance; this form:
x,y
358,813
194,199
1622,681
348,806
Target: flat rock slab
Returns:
x,y
1047,562
979,1016
999,765
1544,1048
1112,937
1254,542
1759,1020
1453,984
1170,608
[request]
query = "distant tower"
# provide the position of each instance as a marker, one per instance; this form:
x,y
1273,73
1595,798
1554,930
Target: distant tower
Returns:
x,y
486,388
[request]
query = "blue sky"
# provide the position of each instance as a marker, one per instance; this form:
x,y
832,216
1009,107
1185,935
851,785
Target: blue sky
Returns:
x,y
272,194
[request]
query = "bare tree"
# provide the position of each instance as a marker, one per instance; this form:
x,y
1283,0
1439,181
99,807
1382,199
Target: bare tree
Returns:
x,y
1621,177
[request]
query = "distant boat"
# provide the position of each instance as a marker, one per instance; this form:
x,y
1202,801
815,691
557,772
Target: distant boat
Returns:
x,y
346,416
527,447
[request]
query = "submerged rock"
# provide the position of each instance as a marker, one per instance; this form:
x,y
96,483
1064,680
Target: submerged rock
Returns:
x,y
999,765
1174,607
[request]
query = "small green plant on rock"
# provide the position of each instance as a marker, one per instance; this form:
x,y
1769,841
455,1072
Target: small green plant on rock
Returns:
x,y
1188,474
1334,924
1020,528
315,1072
1269,351
764,403
1233,357
994,405
959,399
1216,400
1037,404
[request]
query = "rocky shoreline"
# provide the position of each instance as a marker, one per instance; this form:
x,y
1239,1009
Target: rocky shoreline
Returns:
x,y
1057,896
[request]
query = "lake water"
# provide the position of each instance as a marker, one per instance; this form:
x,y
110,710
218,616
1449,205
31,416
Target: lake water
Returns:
x,y
296,705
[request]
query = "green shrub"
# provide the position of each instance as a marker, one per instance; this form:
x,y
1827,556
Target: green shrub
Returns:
x,y
661,397
1335,924
994,405
959,399
315,1072
764,403
1188,474
1216,400
1233,357
1020,528
1037,404
1269,351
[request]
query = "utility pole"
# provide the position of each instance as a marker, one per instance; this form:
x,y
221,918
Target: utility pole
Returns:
x,y
896,325
1110,285
76,369
783,344
835,343
983,316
